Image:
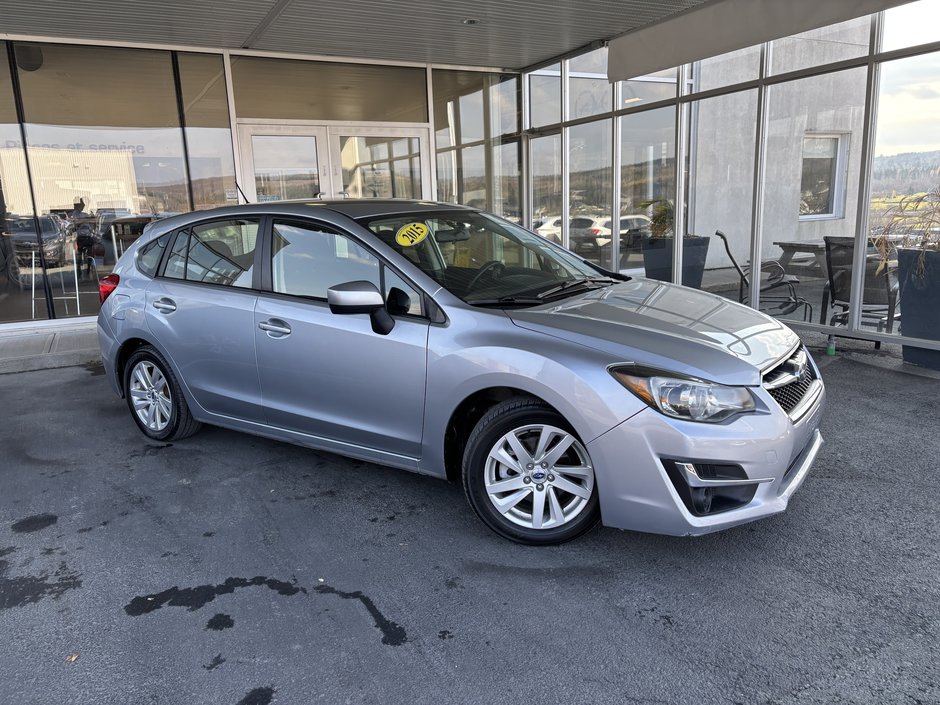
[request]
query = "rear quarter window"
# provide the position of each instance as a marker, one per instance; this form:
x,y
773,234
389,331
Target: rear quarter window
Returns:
x,y
149,256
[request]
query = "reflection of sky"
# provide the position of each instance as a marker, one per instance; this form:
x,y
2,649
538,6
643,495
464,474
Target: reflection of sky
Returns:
x,y
909,106
914,23
284,152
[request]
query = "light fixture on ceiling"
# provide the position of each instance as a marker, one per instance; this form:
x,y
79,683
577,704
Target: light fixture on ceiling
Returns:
x,y
470,21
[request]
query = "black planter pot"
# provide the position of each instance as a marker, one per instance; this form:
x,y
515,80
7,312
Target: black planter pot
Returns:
x,y
920,303
657,259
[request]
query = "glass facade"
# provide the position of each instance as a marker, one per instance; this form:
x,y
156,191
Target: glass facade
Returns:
x,y
204,103
477,138
769,170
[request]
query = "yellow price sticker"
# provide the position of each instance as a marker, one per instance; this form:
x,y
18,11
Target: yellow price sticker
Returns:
x,y
411,234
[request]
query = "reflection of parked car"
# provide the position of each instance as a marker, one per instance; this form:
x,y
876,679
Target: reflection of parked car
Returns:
x,y
558,392
57,244
549,227
589,235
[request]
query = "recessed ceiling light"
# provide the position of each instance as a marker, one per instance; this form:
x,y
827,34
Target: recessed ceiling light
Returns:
x,y
469,21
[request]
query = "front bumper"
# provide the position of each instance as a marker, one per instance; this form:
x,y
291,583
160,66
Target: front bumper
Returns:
x,y
636,492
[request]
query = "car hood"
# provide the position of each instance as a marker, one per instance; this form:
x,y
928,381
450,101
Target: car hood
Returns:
x,y
668,327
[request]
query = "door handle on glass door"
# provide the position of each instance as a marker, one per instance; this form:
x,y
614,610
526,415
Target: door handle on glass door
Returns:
x,y
165,305
275,328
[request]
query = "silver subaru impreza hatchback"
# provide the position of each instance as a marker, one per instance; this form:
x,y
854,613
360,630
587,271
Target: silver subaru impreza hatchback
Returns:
x,y
447,341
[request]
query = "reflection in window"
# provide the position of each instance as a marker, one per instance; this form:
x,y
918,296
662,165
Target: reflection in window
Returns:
x,y
589,91
285,167
911,24
589,196
905,168
307,259
723,178
381,167
726,69
476,115
838,42
647,188
545,96
208,134
121,150
661,85
545,159
811,172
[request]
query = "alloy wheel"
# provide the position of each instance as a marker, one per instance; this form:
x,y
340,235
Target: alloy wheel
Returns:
x,y
150,394
539,476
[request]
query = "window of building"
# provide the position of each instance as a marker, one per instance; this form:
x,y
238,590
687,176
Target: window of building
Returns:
x,y
221,253
545,96
476,123
208,133
822,185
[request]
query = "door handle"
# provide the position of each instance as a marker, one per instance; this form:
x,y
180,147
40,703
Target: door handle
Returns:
x,y
275,328
165,305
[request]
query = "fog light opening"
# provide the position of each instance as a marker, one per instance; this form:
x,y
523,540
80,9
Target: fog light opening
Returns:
x,y
702,499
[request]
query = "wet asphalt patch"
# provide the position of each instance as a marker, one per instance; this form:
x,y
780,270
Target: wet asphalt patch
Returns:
x,y
37,522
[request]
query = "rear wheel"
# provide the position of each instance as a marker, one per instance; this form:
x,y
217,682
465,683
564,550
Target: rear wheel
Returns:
x,y
528,476
155,399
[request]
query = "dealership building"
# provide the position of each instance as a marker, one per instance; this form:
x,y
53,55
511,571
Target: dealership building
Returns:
x,y
797,130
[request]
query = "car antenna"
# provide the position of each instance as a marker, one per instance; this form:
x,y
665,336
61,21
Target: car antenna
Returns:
x,y
242,192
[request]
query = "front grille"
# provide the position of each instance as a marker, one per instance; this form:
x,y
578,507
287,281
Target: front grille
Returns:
x,y
789,381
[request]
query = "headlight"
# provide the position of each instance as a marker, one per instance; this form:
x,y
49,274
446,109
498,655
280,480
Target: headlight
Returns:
x,y
689,399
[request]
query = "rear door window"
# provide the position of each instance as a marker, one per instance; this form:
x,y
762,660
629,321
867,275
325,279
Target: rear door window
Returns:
x,y
220,253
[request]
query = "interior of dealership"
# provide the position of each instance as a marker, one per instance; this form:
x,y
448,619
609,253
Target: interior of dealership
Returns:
x,y
803,172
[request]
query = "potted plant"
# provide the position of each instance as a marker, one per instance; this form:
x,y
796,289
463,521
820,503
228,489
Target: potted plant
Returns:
x,y
658,248
911,235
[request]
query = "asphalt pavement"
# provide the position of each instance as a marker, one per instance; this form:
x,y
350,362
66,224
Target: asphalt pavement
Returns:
x,y
232,570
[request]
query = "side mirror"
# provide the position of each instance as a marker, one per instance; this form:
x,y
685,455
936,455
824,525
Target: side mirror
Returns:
x,y
361,297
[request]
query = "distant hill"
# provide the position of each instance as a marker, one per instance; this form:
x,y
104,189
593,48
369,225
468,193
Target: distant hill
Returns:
x,y
899,174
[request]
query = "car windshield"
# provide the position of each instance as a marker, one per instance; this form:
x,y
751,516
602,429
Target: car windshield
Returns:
x,y
28,225
486,261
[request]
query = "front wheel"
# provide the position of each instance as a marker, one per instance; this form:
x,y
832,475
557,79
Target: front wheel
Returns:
x,y
528,476
155,399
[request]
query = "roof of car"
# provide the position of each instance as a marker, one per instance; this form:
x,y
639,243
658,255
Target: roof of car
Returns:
x,y
354,209
367,207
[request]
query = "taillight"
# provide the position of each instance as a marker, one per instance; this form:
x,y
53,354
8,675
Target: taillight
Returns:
x,y
107,285
595,231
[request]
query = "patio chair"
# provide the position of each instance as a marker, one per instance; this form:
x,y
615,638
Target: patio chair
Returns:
x,y
778,295
880,293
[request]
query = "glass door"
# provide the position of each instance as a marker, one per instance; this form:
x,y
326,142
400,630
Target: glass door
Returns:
x,y
280,162
380,162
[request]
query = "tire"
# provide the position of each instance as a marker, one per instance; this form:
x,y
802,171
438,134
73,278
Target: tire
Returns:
x,y
155,399
549,498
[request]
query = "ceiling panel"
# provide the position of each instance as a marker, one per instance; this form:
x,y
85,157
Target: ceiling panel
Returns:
x,y
510,34
194,22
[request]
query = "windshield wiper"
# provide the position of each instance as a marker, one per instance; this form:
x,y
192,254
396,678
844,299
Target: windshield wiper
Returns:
x,y
586,283
508,301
